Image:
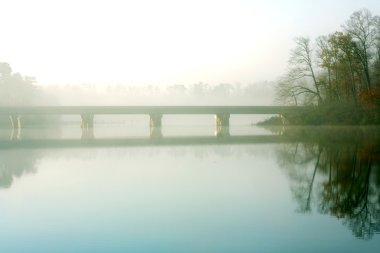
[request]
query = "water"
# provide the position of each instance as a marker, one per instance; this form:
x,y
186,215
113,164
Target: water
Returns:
x,y
307,190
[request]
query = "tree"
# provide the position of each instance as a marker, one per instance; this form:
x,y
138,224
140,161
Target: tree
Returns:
x,y
15,89
5,70
347,74
301,79
376,65
338,57
327,53
286,93
199,89
362,27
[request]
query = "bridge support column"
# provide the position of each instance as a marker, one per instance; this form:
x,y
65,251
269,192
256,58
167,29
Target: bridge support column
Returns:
x,y
222,125
16,126
87,121
283,119
155,124
87,126
155,120
222,120
15,121
222,131
155,132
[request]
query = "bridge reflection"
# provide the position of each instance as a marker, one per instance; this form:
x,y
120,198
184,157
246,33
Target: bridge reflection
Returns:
x,y
156,139
333,170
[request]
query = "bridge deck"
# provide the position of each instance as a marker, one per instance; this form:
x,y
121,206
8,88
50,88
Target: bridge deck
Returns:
x,y
34,110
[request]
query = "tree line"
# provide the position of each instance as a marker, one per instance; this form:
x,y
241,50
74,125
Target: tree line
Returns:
x,y
16,89
339,70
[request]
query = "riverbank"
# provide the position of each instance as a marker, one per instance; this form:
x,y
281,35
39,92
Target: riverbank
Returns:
x,y
337,114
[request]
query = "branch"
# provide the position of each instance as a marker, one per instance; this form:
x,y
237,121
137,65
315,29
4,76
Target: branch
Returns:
x,y
305,90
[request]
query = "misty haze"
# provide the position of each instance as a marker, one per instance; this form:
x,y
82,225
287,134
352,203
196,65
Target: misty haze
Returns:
x,y
189,126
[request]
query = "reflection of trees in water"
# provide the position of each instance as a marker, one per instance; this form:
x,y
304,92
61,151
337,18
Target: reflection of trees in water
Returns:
x,y
14,163
341,178
351,190
297,158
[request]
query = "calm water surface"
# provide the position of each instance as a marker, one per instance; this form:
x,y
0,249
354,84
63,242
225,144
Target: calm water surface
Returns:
x,y
317,190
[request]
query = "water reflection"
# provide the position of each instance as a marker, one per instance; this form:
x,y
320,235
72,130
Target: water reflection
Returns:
x,y
333,171
15,163
338,172
155,132
155,139
87,133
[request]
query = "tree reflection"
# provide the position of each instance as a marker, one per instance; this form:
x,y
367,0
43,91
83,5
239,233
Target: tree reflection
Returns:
x,y
15,163
341,178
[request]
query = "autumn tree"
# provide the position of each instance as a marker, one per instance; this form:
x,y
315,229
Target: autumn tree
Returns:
x,y
337,53
342,73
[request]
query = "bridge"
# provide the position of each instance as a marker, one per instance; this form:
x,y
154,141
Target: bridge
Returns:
x,y
87,113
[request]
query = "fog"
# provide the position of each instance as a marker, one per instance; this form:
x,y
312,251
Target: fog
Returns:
x,y
18,90
190,126
195,94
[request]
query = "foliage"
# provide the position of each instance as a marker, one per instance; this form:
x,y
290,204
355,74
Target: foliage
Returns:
x,y
272,121
15,89
341,77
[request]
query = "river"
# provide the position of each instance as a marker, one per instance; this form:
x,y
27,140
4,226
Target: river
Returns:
x,y
304,190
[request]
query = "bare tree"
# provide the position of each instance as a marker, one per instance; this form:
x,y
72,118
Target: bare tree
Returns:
x,y
285,93
301,80
328,61
362,28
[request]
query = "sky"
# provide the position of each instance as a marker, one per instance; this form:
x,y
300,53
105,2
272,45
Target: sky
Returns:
x,y
162,42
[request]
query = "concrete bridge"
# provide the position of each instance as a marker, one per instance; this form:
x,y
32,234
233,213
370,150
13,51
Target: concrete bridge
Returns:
x,y
87,113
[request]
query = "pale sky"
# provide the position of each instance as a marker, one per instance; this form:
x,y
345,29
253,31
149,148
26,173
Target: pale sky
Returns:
x,y
162,42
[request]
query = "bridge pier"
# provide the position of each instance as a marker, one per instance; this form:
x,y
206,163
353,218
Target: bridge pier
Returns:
x,y
87,126
87,121
16,126
15,121
155,133
222,120
283,119
222,125
222,131
155,120
87,134
15,134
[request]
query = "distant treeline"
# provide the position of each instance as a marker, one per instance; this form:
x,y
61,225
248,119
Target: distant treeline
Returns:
x,y
16,90
338,73
178,94
19,90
